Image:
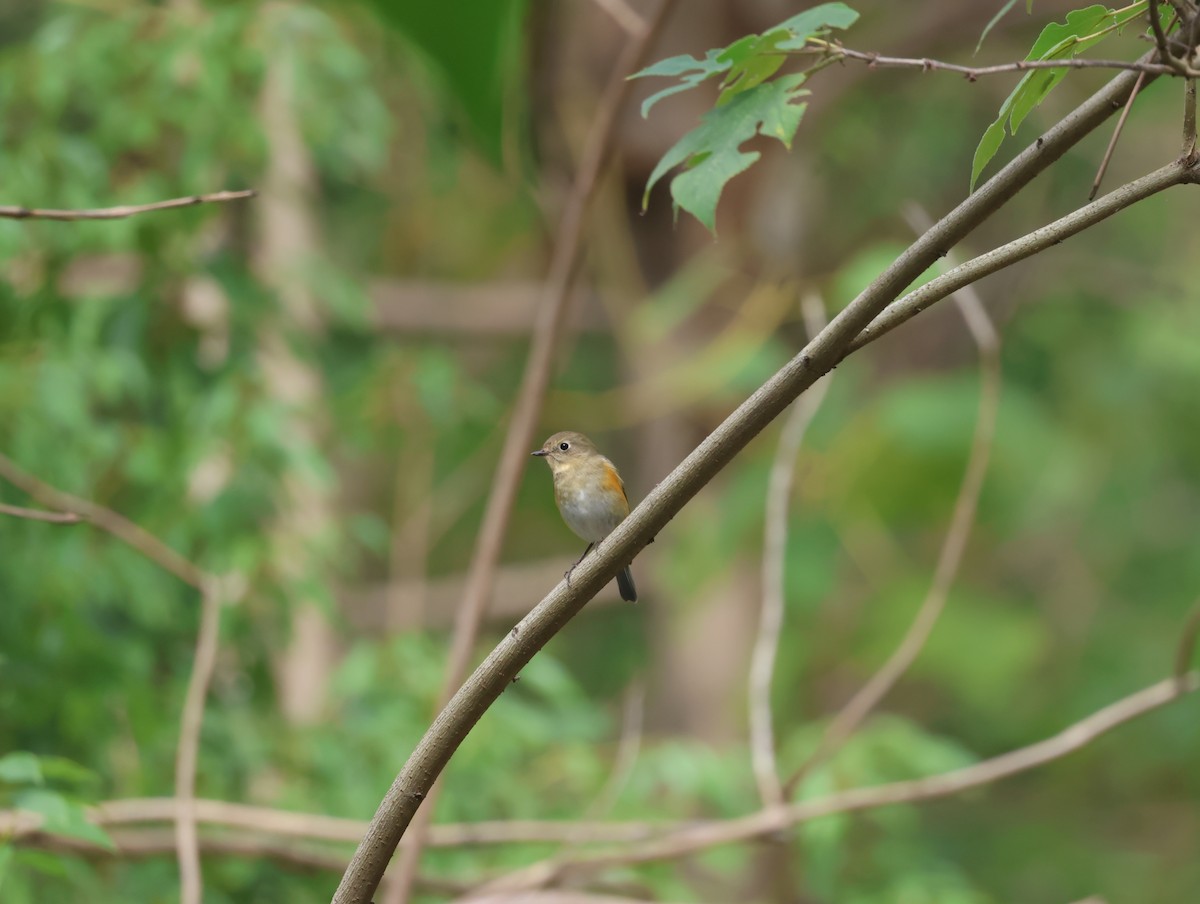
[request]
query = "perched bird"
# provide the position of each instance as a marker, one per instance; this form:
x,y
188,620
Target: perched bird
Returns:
x,y
590,495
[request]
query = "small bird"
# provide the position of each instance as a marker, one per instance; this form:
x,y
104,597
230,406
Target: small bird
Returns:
x,y
590,495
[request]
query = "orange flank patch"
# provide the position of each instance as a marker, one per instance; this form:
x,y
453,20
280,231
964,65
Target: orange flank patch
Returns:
x,y
612,481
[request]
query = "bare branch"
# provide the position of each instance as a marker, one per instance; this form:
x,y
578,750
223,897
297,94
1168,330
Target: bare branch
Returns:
x,y
117,213
107,520
779,494
489,680
187,751
1160,41
554,896
1188,156
187,843
772,820
138,843
1112,142
368,865
227,815
39,515
212,595
1019,249
836,52
851,716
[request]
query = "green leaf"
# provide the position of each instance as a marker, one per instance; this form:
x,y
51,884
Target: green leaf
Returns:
x,y
62,816
712,151
1084,28
996,18
692,71
20,768
993,137
751,60
477,47
62,770
815,21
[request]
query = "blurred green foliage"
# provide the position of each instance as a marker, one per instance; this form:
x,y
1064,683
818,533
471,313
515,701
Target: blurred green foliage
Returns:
x,y
1081,564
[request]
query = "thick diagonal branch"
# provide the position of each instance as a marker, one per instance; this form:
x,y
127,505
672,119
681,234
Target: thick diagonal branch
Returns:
x,y
481,689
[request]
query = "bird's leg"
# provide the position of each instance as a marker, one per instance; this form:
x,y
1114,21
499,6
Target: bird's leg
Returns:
x,y
567,573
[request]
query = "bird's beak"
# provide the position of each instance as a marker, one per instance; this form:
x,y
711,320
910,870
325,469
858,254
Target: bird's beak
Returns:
x,y
540,453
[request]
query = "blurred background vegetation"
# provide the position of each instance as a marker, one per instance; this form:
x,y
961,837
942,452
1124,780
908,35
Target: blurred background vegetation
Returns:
x,y
310,390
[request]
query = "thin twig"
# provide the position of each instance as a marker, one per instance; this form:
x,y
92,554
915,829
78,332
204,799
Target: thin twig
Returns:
x,y
1112,142
1160,41
131,844
233,816
551,315
188,850
489,680
774,563
835,51
117,213
771,820
106,519
29,514
1017,250
187,751
851,716
1189,155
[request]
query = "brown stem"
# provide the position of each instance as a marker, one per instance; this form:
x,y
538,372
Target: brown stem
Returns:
x,y
116,213
187,751
1017,250
851,716
774,562
106,519
29,514
873,60
1112,142
246,818
548,327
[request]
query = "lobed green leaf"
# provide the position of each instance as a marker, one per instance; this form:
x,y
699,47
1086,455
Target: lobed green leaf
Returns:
x,y
712,151
748,61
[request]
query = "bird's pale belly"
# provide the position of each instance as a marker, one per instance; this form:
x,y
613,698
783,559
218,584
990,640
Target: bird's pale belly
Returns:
x,y
588,514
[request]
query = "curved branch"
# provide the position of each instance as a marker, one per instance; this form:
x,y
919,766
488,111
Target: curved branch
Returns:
x,y
187,750
106,519
1017,250
774,562
231,816
772,820
851,716
874,60
116,213
29,514
481,689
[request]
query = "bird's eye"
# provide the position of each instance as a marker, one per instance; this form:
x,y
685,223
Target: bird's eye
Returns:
x,y
564,446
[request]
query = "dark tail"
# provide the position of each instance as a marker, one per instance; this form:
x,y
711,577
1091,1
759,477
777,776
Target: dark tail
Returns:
x,y
625,585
